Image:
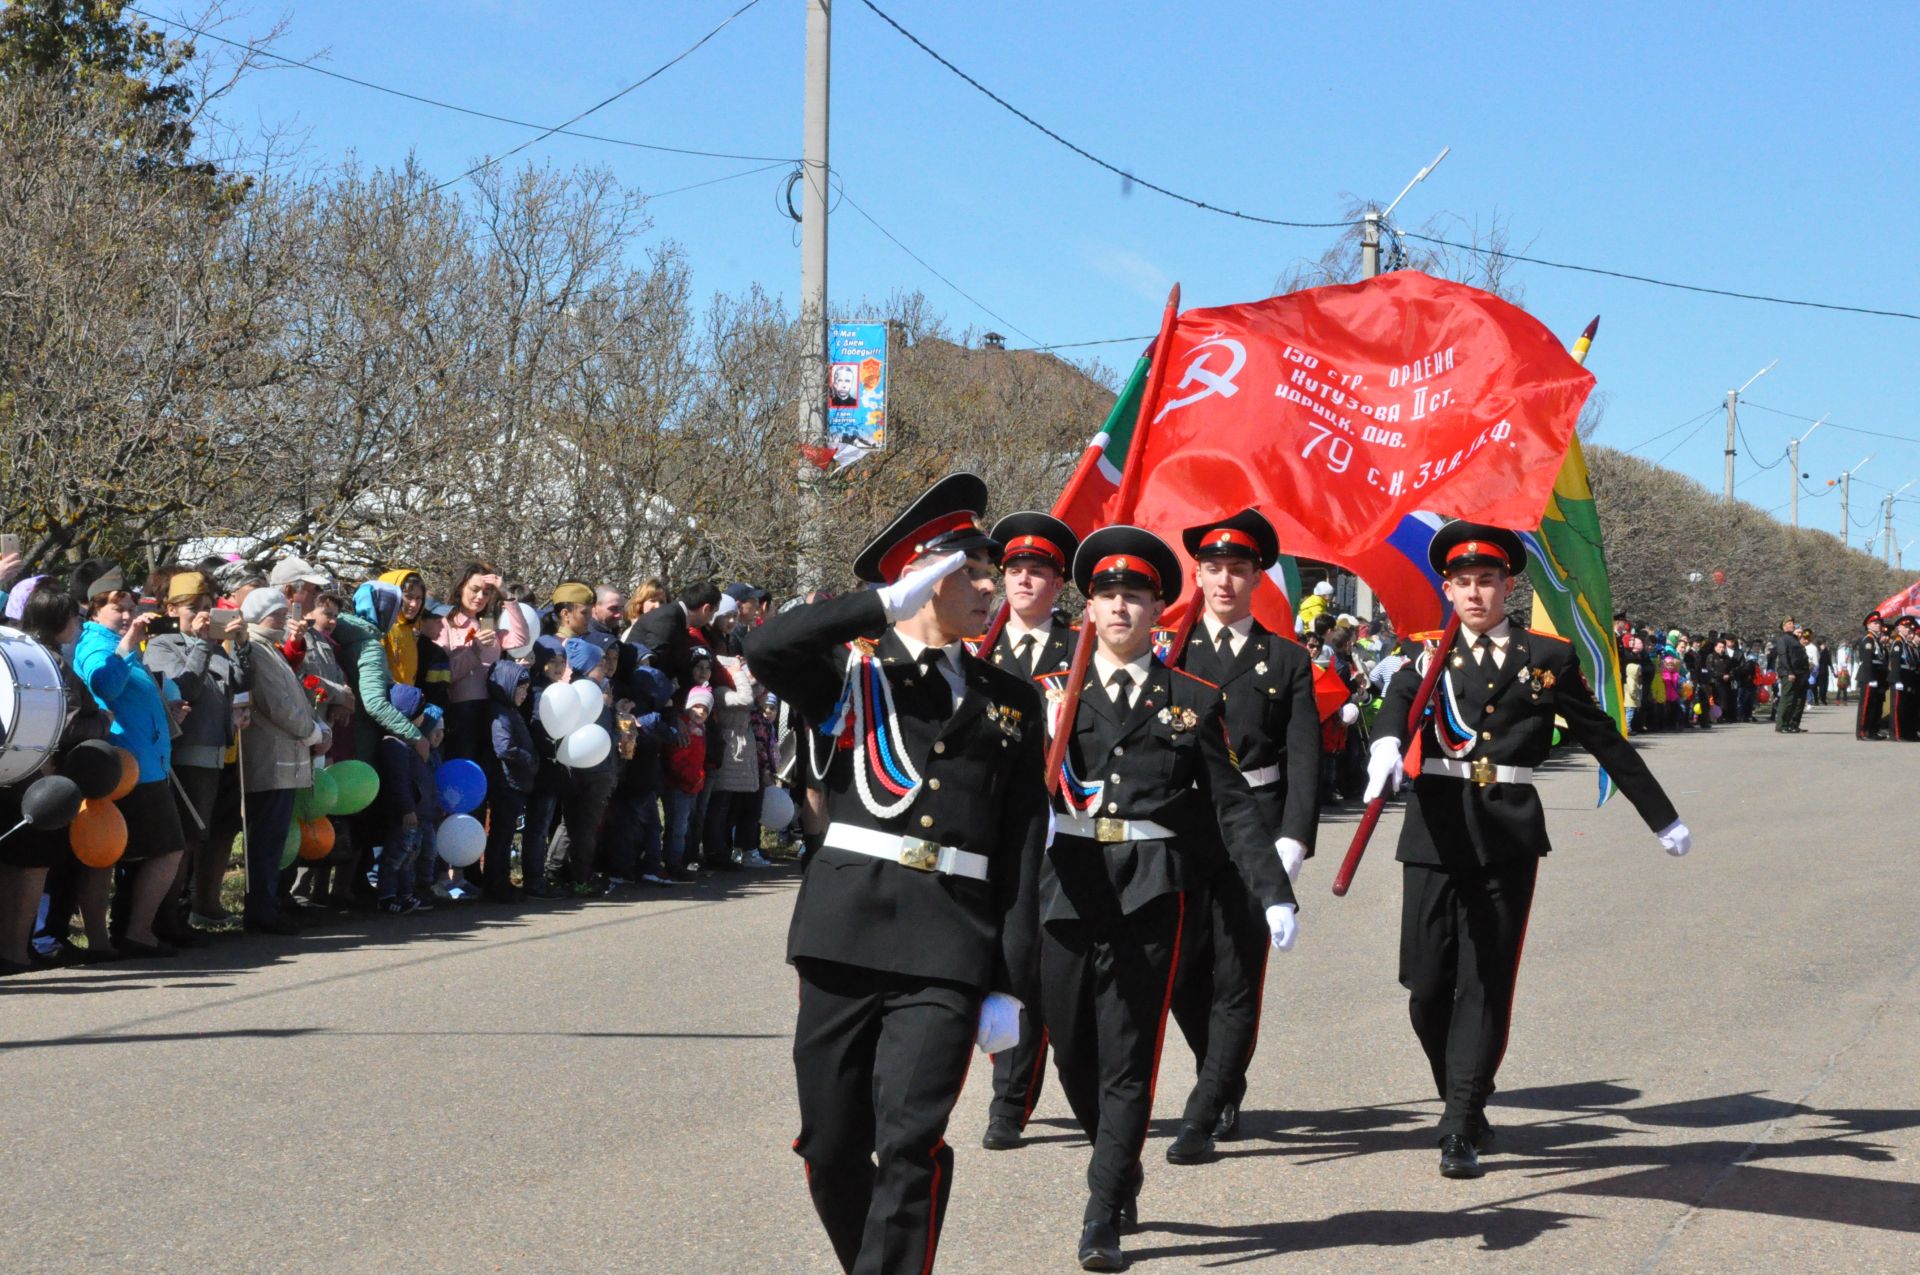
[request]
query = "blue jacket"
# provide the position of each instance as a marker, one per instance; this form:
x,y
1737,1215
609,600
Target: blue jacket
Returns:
x,y
124,687
512,737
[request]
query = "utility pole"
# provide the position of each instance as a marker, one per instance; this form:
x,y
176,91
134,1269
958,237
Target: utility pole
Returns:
x,y
1733,406
1846,490
1886,549
813,287
1793,463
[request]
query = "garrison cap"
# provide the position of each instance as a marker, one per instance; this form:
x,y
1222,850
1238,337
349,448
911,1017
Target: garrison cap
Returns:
x,y
1247,534
572,593
1461,544
1129,556
945,519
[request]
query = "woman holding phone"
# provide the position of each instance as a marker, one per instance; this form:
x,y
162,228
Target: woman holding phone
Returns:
x,y
110,661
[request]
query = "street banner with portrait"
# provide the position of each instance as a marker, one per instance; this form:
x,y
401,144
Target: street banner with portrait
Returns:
x,y
856,389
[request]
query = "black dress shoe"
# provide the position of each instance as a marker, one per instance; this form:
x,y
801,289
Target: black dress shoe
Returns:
x,y
1002,1134
1227,1127
1193,1146
1483,1138
1100,1248
1457,1158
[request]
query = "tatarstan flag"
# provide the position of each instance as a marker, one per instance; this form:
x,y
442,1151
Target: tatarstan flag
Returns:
x,y
1568,568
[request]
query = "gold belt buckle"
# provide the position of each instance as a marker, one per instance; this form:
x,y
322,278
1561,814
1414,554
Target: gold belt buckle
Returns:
x,y
1481,771
1109,830
921,856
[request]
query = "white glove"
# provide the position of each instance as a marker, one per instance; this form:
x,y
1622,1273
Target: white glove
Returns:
x,y
905,596
1384,772
999,1023
1292,855
1675,838
1283,926
1349,714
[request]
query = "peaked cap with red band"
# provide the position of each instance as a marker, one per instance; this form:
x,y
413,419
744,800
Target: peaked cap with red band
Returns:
x,y
1247,534
1460,544
945,519
1035,536
1126,555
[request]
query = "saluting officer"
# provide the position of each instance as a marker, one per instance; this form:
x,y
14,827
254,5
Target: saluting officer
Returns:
x,y
915,916
1273,731
1872,666
1474,832
1146,781
1036,550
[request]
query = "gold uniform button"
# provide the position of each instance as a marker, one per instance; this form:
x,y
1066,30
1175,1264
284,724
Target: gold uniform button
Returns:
x,y
1113,807
1486,734
1489,708
934,784
926,821
1113,779
939,746
1119,751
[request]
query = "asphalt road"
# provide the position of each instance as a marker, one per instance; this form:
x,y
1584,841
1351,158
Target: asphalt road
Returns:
x,y
1712,1069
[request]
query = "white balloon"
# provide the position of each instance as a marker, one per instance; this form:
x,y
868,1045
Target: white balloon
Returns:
x,y
460,840
776,808
592,699
560,710
587,746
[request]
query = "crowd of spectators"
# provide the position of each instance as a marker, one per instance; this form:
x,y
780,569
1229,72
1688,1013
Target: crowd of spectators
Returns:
x,y
231,685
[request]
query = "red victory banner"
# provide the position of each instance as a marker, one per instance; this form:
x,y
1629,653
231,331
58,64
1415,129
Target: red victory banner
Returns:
x,y
1341,410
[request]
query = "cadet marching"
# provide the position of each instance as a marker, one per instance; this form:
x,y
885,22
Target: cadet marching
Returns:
x,y
1036,846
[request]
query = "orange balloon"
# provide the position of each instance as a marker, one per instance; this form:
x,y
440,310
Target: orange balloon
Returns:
x,y
316,838
129,776
98,834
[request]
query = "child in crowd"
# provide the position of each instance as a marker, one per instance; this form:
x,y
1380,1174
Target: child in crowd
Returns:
x,y
550,782
436,667
509,686
432,878
591,658
685,777
407,794
643,707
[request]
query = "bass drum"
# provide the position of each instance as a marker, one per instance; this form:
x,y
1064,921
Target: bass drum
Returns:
x,y
33,706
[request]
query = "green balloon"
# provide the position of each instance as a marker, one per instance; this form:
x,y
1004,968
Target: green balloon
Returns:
x,y
355,784
1556,739
291,850
325,794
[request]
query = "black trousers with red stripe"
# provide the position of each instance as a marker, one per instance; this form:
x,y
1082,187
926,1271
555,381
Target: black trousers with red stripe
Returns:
x,y
1020,1073
1216,998
1104,994
1460,940
880,1059
1873,698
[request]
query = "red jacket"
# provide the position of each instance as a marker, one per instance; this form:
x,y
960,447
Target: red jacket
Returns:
x,y
687,760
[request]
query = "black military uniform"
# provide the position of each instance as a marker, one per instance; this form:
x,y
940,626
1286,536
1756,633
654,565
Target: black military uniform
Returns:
x,y
1273,730
1871,668
1474,830
919,900
1019,1074
1903,708
1149,781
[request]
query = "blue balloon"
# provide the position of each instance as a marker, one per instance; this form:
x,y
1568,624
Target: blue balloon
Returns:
x,y
462,785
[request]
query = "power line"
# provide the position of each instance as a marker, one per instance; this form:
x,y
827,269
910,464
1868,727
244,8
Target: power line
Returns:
x,y
1076,345
1660,283
605,101
1088,155
928,266
1674,429
1684,441
1851,429
1341,225
296,64
715,181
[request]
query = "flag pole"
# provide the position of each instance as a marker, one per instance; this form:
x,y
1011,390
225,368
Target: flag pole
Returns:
x,y
1343,879
1123,504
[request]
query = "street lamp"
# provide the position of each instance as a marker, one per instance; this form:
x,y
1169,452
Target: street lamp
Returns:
x,y
1793,455
1733,400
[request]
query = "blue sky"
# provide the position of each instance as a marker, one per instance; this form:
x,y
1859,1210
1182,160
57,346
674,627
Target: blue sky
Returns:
x,y
1760,147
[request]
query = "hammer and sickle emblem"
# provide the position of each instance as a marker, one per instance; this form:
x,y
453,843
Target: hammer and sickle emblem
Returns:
x,y
1210,381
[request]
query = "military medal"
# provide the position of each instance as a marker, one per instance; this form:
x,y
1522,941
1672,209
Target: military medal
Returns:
x,y
1180,719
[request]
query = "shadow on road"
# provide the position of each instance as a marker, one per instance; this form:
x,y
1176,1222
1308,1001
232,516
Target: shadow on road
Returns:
x,y
1580,1130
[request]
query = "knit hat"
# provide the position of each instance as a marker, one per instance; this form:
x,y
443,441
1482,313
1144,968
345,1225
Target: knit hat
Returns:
x,y
262,603
583,656
431,719
408,699
700,697
729,605
17,597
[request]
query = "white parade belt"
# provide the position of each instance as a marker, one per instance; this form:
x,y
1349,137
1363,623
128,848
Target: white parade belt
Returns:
x,y
1480,771
908,852
1261,776
1103,829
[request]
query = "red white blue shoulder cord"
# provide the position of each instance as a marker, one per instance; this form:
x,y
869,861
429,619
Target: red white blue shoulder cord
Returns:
x,y
1451,730
875,735
1080,797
